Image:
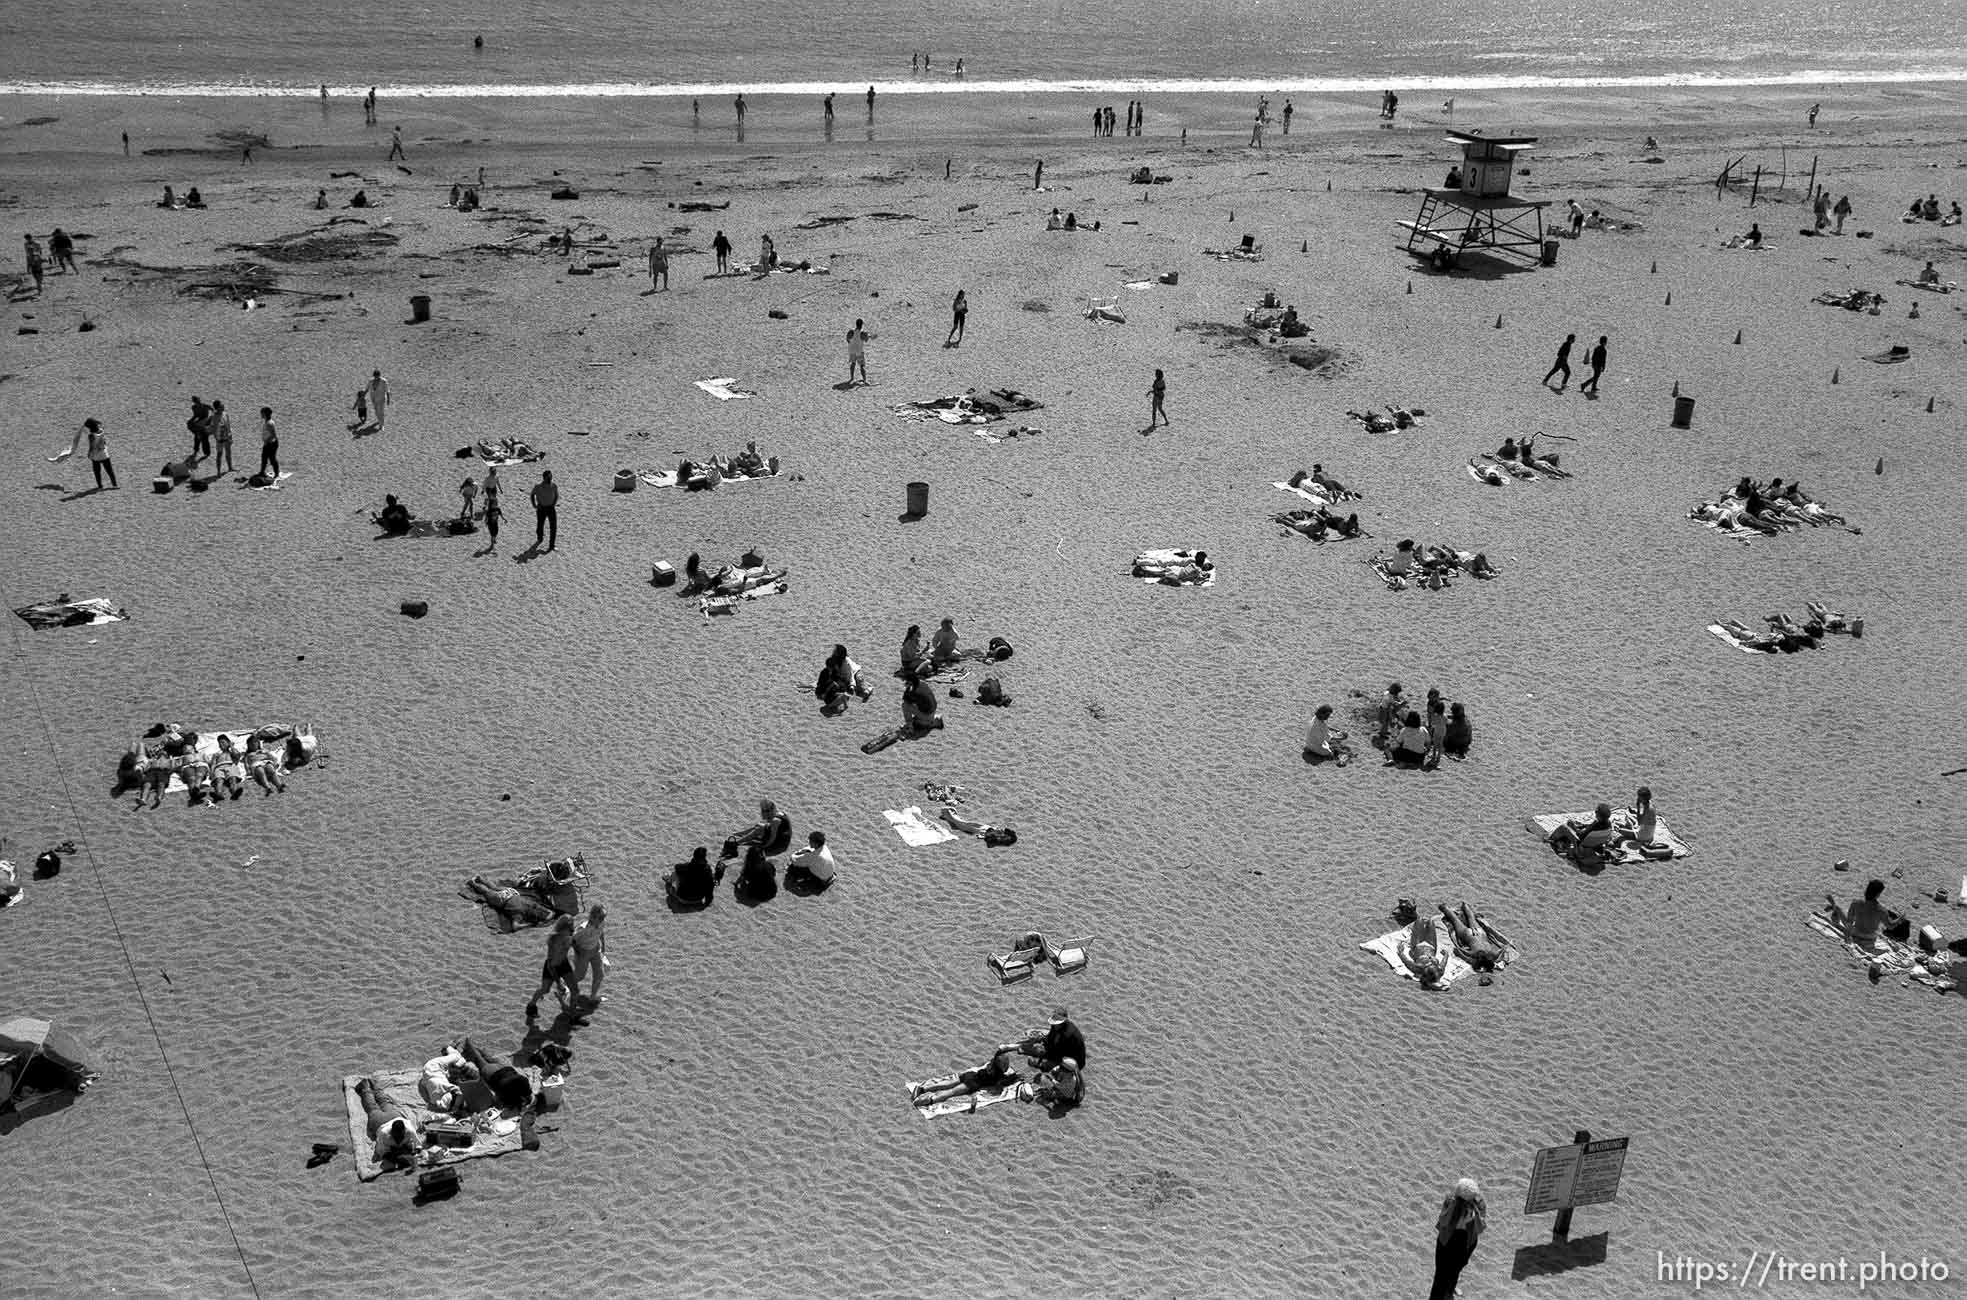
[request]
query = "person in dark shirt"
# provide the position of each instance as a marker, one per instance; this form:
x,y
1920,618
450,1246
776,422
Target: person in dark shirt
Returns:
x,y
1061,1040
692,883
985,1077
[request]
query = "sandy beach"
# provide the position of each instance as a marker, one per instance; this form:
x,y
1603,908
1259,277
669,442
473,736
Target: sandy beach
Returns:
x,y
1269,1110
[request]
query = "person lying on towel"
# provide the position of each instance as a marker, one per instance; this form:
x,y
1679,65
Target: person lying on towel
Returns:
x,y
1316,523
1191,574
996,837
692,883
521,906
1062,1085
1422,953
392,1129
748,463
442,1077
982,1079
513,1089
1584,840
1472,942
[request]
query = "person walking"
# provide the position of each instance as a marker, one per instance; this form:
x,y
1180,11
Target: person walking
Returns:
x,y
857,351
1811,116
1038,175
722,247
493,514
1597,363
1156,395
1463,1216
591,954
378,398
546,511
269,446
62,245
468,490
34,261
740,107
396,145
557,971
1287,117
827,104
1563,363
1841,211
870,103
658,266
959,310
219,438
201,426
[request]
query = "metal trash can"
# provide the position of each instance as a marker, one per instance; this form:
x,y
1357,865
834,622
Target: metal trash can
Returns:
x,y
1550,252
1683,412
625,480
918,500
420,309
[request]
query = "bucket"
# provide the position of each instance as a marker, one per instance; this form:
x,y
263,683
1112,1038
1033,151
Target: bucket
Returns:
x,y
1683,412
1550,252
918,500
420,309
624,480
551,1089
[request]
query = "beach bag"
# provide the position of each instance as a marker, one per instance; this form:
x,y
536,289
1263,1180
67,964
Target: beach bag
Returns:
x,y
992,692
999,648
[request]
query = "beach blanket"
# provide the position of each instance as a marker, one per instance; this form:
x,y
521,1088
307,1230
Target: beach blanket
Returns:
x,y
1623,820
1314,492
970,406
1000,435
666,478
727,602
1153,566
506,451
1234,254
1931,286
1855,300
1387,949
208,745
1395,418
63,612
498,1137
1723,515
1739,644
274,486
568,899
965,1105
918,829
1890,956
722,390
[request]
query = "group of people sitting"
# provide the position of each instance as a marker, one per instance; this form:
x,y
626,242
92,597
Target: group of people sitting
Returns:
x,y
464,198
1070,221
192,199
1426,948
1600,840
397,1133
550,890
169,750
1768,510
1786,636
810,869
1523,452
702,476
1265,316
1430,566
1059,1052
1413,738
1928,209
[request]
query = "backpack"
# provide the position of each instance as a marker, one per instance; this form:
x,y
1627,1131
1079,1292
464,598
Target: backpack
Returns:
x,y
992,692
999,649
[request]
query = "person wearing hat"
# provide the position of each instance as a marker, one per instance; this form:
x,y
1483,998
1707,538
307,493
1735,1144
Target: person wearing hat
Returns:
x,y
1062,1085
1061,1040
1463,1216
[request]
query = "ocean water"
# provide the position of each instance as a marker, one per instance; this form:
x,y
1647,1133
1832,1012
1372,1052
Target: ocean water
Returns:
x,y
667,46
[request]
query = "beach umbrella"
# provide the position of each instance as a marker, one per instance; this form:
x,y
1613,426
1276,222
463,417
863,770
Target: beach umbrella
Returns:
x,y
35,1051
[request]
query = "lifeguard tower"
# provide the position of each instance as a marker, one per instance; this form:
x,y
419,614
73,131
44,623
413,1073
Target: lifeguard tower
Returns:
x,y
1480,212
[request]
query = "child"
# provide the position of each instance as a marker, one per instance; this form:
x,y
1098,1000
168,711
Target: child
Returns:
x,y
361,407
469,491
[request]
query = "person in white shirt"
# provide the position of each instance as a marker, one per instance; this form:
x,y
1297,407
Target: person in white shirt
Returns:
x,y
814,862
378,398
440,1082
1322,744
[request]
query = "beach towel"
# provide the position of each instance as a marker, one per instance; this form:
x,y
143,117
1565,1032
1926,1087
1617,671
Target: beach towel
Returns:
x,y
208,745
917,829
1623,820
1890,956
715,603
1739,644
1946,286
63,612
666,478
722,390
964,1105
1151,566
507,451
1312,492
569,899
1387,949
1000,435
274,486
499,1136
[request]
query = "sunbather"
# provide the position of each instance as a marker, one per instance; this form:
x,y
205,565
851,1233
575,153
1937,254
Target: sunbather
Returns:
x,y
228,769
772,833
994,1075
394,518
513,1089
519,905
838,677
442,1077
1421,952
1472,942
692,883
1183,573
1401,562
1646,819
994,836
1862,922
196,773
1585,840
392,1128
1322,744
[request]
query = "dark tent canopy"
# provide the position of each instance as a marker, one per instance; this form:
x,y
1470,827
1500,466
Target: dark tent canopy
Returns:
x,y
37,1059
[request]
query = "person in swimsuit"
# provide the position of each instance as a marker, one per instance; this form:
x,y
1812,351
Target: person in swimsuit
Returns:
x,y
557,971
1863,921
1421,952
1586,840
1472,942
943,648
1062,1085
228,769
996,1074
261,767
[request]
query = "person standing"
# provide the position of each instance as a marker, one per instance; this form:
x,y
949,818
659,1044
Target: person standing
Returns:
x,y
1811,116
1257,132
1287,117
98,450
870,103
546,511
827,104
1038,175
557,971
959,310
34,262
591,954
126,144
396,145
857,351
1156,395
740,107
493,514
200,426
269,446
1140,117
1099,122
468,490
1563,363
658,266
722,247
1841,211
1597,362
1463,1216
62,245
219,440
378,398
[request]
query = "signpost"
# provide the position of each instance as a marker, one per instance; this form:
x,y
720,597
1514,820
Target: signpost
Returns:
x,y
1583,1173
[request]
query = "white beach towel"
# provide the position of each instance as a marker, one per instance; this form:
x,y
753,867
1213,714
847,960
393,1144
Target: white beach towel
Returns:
x,y
1622,819
1310,491
1387,949
1736,641
71,613
917,829
208,746
1893,957
964,1105
722,390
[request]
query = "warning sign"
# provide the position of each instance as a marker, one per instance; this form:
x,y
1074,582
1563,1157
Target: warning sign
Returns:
x,y
1573,1175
